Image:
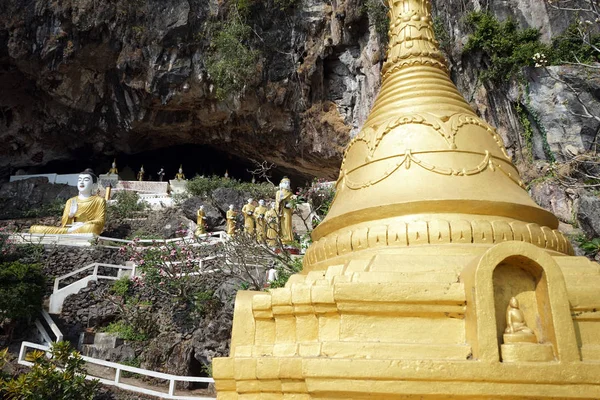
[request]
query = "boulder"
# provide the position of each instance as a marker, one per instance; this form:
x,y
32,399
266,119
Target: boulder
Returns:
x,y
214,217
554,198
588,215
18,198
223,197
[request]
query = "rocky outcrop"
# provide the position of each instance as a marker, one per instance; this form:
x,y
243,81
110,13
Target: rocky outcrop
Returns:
x,y
96,79
21,198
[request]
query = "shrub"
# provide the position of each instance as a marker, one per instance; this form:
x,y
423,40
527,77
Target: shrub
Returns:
x,y
62,376
126,331
377,12
571,47
204,186
121,287
231,62
505,47
21,290
285,271
127,203
53,209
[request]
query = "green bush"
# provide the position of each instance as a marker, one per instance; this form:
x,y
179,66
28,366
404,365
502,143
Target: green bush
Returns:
x,y
127,203
204,186
53,209
506,49
122,287
231,62
21,290
570,46
125,331
378,16
62,376
284,273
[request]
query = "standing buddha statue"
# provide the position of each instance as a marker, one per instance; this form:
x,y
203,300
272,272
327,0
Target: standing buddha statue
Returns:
x,y
201,221
272,223
248,211
230,217
161,174
83,213
140,175
283,206
260,221
179,176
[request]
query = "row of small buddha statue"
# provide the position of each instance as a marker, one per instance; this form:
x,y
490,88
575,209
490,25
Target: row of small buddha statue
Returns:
x,y
179,176
268,225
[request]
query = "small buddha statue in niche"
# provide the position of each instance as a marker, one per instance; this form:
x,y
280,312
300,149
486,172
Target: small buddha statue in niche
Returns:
x,y
84,213
140,175
113,170
260,221
180,176
516,327
283,206
201,221
230,217
248,212
226,174
272,224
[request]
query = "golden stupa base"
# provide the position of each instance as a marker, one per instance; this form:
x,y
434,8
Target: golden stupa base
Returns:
x,y
425,322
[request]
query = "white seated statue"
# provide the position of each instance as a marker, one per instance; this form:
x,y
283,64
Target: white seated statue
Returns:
x,y
85,213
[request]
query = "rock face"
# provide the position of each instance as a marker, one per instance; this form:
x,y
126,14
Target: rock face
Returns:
x,y
213,216
95,79
20,197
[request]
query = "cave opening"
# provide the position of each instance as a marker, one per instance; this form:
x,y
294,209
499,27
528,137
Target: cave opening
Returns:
x,y
197,368
194,159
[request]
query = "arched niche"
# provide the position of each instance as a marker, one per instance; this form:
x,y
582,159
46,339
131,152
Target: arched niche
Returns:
x,y
529,273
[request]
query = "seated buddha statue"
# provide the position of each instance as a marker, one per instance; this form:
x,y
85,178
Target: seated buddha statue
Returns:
x,y
179,176
113,170
516,327
84,213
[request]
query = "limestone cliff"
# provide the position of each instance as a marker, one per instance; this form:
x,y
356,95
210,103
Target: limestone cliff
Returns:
x,y
94,79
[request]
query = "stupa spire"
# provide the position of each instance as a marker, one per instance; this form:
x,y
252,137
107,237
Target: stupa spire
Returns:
x,y
424,158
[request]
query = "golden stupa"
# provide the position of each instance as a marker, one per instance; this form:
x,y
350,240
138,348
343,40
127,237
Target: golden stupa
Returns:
x,y
434,275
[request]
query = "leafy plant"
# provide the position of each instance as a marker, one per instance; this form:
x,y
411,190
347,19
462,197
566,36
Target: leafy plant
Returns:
x,y
505,47
62,376
122,287
21,290
204,186
591,247
127,204
126,331
285,271
378,17
53,209
231,62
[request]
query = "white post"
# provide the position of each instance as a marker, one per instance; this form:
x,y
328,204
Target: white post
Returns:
x,y
117,376
95,269
172,387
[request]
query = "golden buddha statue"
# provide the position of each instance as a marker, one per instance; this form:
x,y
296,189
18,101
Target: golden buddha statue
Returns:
x,y
283,206
201,221
272,225
248,212
84,213
260,221
113,170
140,175
179,176
403,290
230,217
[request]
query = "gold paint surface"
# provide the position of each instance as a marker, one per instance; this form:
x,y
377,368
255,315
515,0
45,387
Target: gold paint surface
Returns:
x,y
406,288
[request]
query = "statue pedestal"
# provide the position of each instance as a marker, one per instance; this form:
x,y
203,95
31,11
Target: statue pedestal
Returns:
x,y
108,179
178,186
516,352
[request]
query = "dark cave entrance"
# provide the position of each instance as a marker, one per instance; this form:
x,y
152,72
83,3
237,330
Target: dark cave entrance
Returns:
x,y
197,368
195,159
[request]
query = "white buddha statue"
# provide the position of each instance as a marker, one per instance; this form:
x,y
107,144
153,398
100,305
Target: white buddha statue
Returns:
x,y
84,213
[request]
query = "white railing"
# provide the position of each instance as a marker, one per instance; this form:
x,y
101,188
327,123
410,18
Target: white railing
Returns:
x,y
53,327
60,294
217,236
119,368
66,239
